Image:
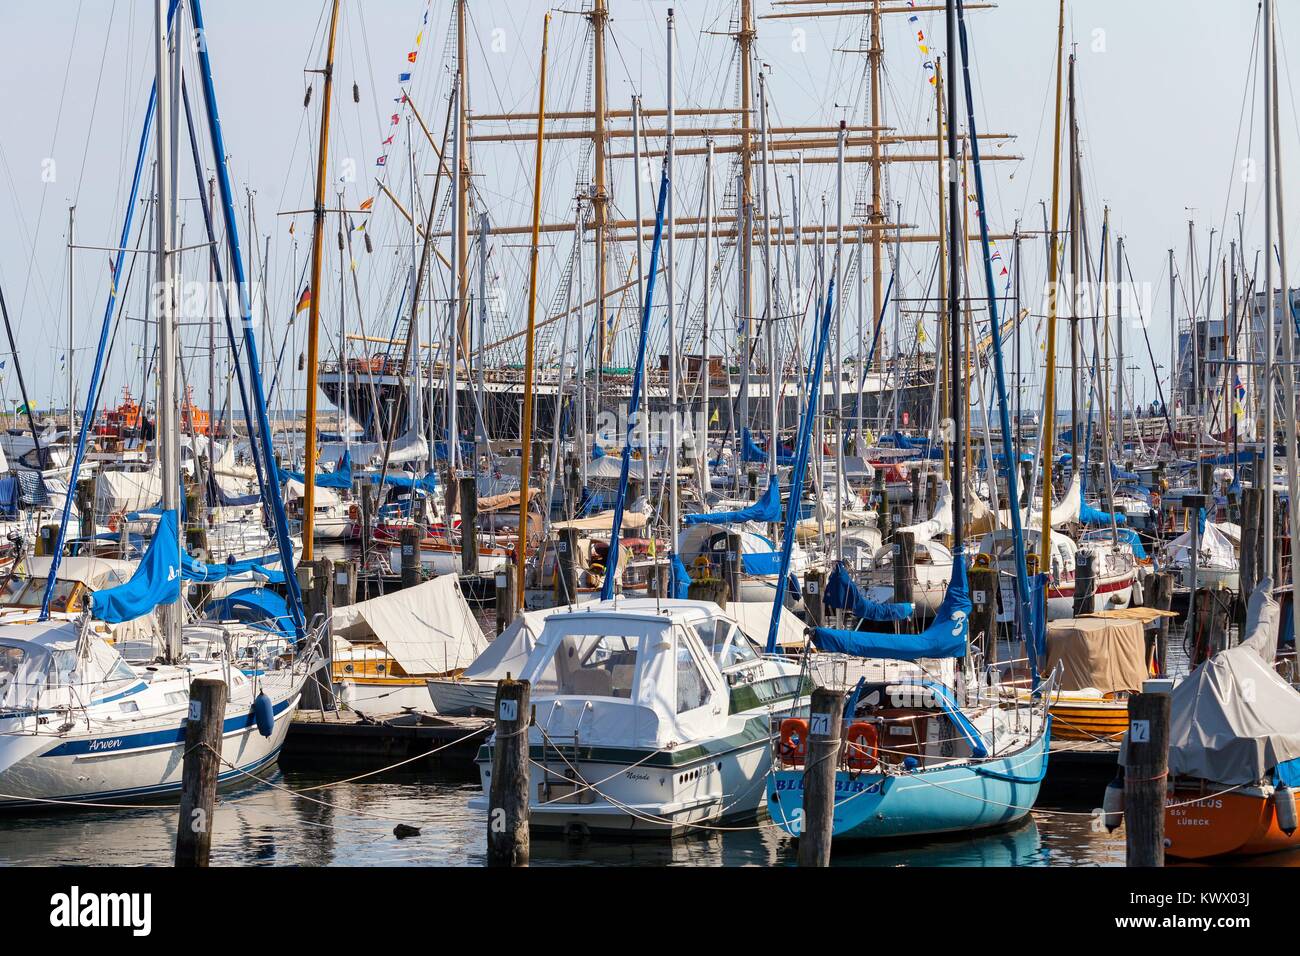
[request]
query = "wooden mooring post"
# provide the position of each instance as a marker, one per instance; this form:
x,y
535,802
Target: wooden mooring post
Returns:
x,y
200,770
814,596
505,595
566,570
1146,773
469,525
826,719
1085,582
905,570
507,841
732,562
1160,594
984,611
410,544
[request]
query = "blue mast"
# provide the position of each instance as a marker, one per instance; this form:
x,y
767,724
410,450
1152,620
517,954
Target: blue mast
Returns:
x,y
800,465
1023,610
634,400
271,488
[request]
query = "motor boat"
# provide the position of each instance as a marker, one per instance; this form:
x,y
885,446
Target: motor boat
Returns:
x,y
651,716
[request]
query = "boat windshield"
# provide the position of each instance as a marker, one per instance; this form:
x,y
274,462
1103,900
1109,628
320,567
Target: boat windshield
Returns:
x,y
31,593
726,643
592,665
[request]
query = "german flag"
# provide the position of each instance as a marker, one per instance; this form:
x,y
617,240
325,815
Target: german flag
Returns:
x,y
304,300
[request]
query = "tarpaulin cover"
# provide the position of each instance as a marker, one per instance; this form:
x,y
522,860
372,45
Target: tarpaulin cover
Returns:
x,y
156,581
428,629
1099,653
466,450
1221,734
9,496
946,637
597,451
681,579
841,592
766,509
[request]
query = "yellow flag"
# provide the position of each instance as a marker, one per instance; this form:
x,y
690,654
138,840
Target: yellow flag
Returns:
x,y
714,419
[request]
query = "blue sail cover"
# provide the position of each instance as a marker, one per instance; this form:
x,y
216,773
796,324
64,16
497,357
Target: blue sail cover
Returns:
x,y
946,637
192,569
1038,614
681,578
259,607
466,450
597,451
156,581
841,592
752,451
1095,517
766,509
340,478
410,482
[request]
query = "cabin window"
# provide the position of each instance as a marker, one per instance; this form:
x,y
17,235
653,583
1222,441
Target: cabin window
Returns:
x,y
11,661
692,691
593,665
726,643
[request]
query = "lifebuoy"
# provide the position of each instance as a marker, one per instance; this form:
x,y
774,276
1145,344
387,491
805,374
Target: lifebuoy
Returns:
x,y
114,521
862,751
354,513
793,748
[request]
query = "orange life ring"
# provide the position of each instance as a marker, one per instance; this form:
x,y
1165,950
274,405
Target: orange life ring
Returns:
x,y
793,748
863,747
354,513
115,521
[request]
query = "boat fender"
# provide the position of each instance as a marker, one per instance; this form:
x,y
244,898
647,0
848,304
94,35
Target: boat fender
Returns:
x,y
863,747
793,748
1112,804
1284,802
263,714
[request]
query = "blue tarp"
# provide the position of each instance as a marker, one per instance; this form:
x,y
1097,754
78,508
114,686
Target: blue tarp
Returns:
x,y
1038,614
157,579
1240,458
841,592
766,509
944,696
1120,474
1135,541
596,451
946,637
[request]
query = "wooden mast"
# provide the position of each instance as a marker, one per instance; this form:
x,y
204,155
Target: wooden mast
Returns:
x,y
526,427
599,17
1049,413
462,194
313,308
941,357
876,215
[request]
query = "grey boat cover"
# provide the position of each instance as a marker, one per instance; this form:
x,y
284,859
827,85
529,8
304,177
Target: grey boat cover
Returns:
x,y
1234,720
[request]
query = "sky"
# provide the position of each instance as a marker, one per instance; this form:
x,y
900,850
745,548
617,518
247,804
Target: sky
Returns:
x,y
1169,112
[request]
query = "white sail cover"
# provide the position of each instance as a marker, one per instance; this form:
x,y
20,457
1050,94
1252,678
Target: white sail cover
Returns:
x,y
428,629
410,446
1234,719
127,490
508,653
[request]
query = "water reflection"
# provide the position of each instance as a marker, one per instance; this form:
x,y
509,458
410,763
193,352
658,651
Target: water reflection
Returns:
x,y
352,824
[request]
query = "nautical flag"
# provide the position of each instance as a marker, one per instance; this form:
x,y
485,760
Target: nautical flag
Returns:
x,y
387,142
291,225
21,409
403,77
367,203
410,57
381,160
304,300
419,38
396,119
714,419
1239,387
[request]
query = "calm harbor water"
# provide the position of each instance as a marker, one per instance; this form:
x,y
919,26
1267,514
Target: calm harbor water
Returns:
x,y
352,824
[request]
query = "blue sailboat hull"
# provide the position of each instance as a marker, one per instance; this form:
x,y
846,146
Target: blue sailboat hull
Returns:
x,y
941,799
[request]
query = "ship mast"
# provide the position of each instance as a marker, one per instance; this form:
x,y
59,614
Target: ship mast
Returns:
x,y
313,308
526,426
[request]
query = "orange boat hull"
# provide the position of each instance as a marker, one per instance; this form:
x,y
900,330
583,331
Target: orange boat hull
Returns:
x,y
1224,824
